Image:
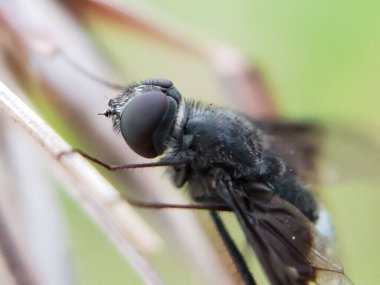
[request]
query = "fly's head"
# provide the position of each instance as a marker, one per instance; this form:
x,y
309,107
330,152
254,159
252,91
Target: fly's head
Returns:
x,y
145,114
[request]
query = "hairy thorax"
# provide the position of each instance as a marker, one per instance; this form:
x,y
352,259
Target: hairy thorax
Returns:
x,y
212,138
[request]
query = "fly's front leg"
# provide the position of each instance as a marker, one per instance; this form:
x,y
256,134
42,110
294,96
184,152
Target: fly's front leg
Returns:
x,y
115,167
142,204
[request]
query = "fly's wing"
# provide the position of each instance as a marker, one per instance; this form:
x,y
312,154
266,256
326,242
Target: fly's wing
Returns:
x,y
287,244
297,144
349,153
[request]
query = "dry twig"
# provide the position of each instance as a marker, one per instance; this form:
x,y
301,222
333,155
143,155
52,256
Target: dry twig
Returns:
x,y
101,201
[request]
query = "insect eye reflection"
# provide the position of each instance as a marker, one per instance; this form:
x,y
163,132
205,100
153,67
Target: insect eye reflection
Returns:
x,y
146,121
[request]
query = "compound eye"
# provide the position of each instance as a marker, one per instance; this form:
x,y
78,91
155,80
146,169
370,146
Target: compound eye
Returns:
x,y
140,119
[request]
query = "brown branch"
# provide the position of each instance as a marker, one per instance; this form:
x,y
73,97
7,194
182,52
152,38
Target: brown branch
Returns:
x,y
241,82
127,16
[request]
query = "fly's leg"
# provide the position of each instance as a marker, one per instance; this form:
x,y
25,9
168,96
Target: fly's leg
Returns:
x,y
141,204
116,167
159,205
221,182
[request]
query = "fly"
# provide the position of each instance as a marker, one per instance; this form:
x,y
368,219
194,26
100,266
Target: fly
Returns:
x,y
231,162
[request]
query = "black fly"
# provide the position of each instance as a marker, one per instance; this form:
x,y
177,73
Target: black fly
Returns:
x,y
229,162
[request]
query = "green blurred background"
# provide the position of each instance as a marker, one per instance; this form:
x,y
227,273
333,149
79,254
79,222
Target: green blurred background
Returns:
x,y
321,61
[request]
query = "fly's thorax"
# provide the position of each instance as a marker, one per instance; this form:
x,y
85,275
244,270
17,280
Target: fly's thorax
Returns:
x,y
222,137
208,137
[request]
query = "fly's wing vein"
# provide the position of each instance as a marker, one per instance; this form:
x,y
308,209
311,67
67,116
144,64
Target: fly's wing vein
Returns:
x,y
290,249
